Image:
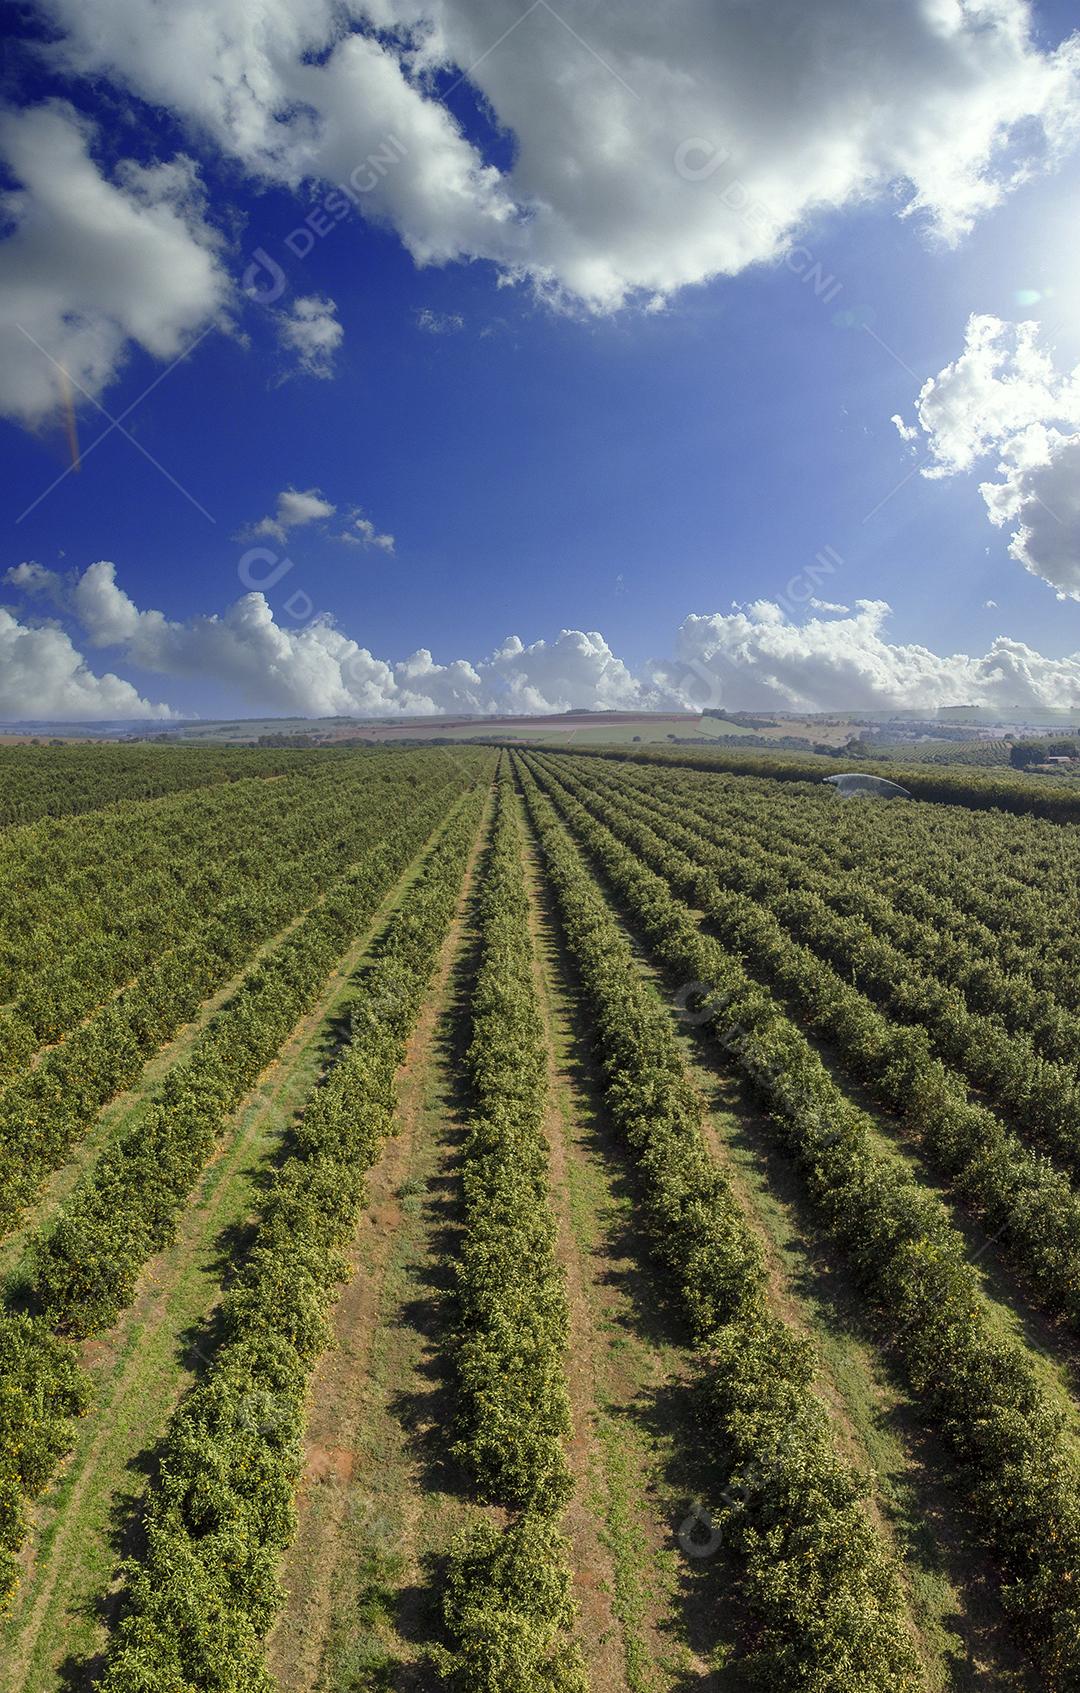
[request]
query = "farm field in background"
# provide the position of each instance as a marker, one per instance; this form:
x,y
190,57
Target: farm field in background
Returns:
x,y
526,1218
594,727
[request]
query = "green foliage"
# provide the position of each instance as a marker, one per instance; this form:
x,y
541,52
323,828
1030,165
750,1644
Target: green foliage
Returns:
x,y
199,1602
977,901
42,1390
512,1313
82,1268
962,787
827,964
978,1391
1025,753
985,754
65,780
823,1593
986,897
509,1610
125,922
506,1604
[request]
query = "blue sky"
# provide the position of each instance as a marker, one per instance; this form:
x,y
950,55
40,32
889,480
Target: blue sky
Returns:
x,y
542,463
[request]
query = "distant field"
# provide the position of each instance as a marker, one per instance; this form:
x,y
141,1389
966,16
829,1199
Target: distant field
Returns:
x,y
648,729
594,728
985,753
604,733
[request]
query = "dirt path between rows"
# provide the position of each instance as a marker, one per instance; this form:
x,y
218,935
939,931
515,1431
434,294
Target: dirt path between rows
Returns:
x,y
358,1503
628,1371
592,1558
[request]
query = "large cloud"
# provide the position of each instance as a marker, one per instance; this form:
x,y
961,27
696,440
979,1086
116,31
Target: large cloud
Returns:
x,y
43,676
318,671
751,657
756,657
577,669
652,146
93,262
1004,398
1041,497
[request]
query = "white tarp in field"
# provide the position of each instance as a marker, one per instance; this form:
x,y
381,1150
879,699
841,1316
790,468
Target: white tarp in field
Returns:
x,y
875,786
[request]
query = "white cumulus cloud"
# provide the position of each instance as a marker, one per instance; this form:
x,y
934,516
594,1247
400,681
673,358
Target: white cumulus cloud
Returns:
x,y
295,509
576,669
42,675
755,657
311,330
319,671
652,147
300,508
93,262
750,658
1040,498
1004,398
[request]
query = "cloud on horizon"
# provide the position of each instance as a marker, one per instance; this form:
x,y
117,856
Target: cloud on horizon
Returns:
x,y
753,657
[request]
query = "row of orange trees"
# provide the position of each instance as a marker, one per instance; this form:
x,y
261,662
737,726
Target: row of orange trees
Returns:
x,y
871,863
90,902
976,1387
507,1602
81,1268
973,789
1013,877
821,1593
61,781
197,1605
1023,1198
293,857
